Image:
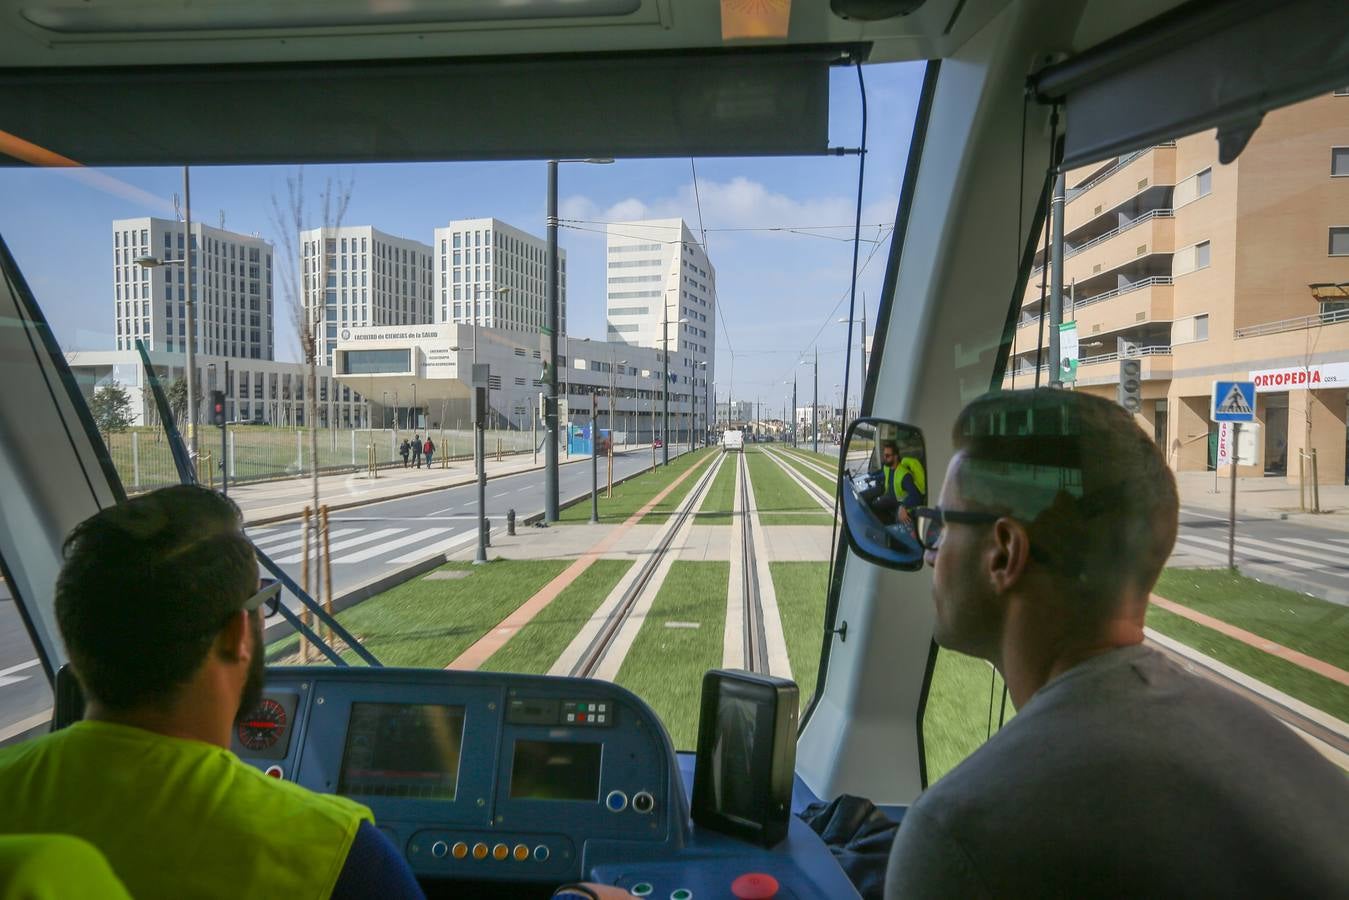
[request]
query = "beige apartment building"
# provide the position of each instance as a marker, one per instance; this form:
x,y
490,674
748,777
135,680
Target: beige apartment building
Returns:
x,y
1216,272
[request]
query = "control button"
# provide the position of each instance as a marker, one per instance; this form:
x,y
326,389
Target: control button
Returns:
x,y
641,889
643,802
541,853
459,850
521,852
501,851
617,801
580,717
571,717
439,849
480,850
681,894
592,708
600,718
275,772
754,886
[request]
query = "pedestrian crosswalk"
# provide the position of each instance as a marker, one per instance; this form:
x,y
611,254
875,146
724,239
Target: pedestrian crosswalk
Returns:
x,y
375,543
1325,555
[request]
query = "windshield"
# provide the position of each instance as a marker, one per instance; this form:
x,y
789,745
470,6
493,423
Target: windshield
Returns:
x,y
342,312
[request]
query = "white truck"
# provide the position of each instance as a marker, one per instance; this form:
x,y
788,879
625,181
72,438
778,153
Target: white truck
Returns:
x,y
733,439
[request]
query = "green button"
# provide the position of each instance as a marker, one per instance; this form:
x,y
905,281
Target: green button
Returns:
x,y
682,894
641,889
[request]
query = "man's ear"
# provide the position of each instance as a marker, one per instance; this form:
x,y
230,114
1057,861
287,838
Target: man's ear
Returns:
x,y
1009,555
234,642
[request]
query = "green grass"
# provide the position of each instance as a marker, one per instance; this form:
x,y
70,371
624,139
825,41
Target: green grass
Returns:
x,y
634,493
719,503
665,666
782,501
1280,674
957,721
664,509
1310,625
828,457
802,588
534,648
428,623
825,482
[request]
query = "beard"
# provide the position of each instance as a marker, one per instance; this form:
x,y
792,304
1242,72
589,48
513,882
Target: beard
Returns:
x,y
253,683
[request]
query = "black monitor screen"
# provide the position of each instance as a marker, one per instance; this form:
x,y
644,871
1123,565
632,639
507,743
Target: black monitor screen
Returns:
x,y
556,770
402,750
739,754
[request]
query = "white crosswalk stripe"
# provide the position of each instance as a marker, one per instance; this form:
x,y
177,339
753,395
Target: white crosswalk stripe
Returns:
x,y
444,546
1339,541
298,542
263,536
1258,550
389,546
351,542
1341,558
1182,547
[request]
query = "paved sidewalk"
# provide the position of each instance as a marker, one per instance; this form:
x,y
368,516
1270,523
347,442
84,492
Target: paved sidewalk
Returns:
x,y
1270,497
272,501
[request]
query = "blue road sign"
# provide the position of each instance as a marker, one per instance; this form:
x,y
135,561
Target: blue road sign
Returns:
x,y
1233,401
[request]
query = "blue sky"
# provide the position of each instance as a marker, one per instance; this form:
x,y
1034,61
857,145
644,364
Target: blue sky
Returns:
x,y
777,290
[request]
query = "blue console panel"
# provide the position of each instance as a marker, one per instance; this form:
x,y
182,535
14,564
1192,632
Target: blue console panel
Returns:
x,y
515,779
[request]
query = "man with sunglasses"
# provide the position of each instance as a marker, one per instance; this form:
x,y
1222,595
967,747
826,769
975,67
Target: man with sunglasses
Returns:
x,y
160,607
1122,773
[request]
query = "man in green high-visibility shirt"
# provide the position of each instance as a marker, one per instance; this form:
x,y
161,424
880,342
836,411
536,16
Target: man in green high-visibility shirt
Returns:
x,y
903,485
158,603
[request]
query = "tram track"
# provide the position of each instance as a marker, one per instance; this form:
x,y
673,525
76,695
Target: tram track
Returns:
x,y
600,646
755,637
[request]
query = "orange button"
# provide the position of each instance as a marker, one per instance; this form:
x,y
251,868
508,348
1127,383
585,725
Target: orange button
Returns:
x,y
460,850
479,850
501,851
521,852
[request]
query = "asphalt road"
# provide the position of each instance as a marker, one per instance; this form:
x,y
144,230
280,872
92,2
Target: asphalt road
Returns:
x,y
367,542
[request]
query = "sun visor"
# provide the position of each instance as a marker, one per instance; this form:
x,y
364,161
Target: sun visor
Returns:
x,y
1211,64
717,103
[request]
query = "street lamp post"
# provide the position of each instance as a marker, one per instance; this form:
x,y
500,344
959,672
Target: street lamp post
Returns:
x,y
665,386
550,495
415,423
815,404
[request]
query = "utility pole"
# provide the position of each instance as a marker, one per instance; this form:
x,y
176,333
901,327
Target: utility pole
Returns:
x,y
594,459
795,442
815,408
191,317
665,382
1056,284
550,501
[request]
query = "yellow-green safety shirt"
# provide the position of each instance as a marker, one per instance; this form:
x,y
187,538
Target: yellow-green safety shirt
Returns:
x,y
177,818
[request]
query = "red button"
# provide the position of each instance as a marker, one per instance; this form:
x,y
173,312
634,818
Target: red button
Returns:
x,y
581,717
755,886
274,771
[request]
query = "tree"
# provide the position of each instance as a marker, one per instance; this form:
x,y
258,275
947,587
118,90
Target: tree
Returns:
x,y
177,397
111,408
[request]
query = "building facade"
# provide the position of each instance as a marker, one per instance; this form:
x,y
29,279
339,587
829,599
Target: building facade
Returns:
x,y
497,273
235,316
357,276
1216,272
659,279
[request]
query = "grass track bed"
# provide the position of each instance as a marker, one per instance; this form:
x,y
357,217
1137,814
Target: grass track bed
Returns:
x,y
719,503
801,589
782,501
632,494
534,648
665,665
664,509
957,721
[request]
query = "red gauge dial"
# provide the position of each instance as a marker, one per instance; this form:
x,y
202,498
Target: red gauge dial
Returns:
x,y
262,726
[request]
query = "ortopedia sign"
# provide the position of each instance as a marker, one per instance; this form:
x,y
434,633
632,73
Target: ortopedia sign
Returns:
x,y
1301,378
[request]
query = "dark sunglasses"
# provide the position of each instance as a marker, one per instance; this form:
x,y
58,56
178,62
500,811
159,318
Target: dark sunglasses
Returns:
x,y
931,521
268,597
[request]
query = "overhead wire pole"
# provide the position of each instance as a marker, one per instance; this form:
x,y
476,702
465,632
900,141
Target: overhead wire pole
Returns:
x,y
550,495
191,317
1056,283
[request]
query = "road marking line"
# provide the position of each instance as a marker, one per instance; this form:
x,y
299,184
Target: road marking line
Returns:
x,y
1253,551
23,725
443,547
299,542
20,667
389,546
1339,559
352,542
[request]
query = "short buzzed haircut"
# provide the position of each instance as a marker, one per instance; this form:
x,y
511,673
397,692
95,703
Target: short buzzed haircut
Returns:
x,y
1093,487
146,587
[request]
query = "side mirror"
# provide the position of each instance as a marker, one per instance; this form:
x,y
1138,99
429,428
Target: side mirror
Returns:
x,y
884,481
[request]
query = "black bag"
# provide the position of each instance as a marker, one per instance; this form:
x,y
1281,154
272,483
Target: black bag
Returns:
x,y
859,835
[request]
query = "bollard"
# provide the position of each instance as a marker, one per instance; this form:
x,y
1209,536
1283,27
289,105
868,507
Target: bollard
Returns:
x,y
487,532
510,522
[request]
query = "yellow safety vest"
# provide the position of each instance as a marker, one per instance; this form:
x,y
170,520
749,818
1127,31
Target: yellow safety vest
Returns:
x,y
177,818
907,464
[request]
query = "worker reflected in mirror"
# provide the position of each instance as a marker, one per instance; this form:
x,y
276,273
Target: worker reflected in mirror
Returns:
x,y
891,486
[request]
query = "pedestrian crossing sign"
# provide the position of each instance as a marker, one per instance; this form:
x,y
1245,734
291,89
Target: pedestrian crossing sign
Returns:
x,y
1233,401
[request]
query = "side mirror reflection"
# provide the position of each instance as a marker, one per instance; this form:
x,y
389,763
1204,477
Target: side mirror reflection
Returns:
x,y
884,482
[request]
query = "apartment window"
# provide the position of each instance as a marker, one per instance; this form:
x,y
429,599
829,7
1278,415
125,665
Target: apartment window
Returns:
x,y
1339,161
1339,241
1201,255
1201,327
1204,183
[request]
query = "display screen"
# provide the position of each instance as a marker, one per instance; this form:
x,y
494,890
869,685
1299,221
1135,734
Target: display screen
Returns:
x,y
402,750
556,770
737,748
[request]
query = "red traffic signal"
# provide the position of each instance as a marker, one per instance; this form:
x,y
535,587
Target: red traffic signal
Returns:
x,y
218,408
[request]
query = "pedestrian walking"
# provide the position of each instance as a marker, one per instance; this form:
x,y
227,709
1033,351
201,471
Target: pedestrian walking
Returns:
x,y
429,450
405,448
417,450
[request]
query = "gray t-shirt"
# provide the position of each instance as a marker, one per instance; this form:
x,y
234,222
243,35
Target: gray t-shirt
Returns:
x,y
1127,776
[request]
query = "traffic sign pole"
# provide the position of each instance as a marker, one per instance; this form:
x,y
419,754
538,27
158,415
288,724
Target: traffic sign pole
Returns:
x,y
1232,509
1233,401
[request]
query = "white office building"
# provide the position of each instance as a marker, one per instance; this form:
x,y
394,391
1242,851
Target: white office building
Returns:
x,y
497,272
659,277
235,317
363,277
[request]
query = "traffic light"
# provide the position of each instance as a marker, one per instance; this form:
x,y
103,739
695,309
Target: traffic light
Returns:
x,y
1131,384
218,408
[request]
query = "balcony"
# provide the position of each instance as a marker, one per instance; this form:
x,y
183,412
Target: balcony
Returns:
x,y
1148,300
1100,369
1132,174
